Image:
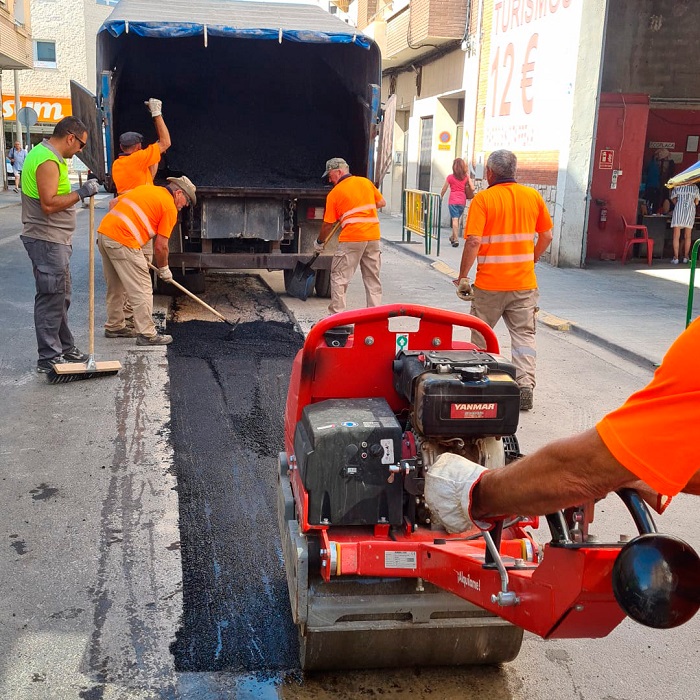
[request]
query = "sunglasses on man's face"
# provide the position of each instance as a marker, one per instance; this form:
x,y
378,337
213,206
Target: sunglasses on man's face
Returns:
x,y
79,140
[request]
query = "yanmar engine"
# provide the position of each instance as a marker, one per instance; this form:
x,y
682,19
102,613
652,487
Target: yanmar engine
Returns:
x,y
459,394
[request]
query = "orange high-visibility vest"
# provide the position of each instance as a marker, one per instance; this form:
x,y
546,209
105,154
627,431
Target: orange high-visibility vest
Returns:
x,y
645,434
507,216
353,202
139,215
134,170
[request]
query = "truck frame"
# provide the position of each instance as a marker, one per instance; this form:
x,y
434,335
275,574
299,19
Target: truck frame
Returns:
x,y
257,96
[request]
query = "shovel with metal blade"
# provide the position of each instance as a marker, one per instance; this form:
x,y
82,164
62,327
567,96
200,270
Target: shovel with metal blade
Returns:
x,y
304,275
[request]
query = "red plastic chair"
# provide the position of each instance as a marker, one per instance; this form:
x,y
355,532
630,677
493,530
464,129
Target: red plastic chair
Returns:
x,y
631,239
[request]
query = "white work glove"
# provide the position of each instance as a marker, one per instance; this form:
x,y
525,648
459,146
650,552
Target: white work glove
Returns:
x,y
464,289
165,274
318,247
448,487
89,189
155,107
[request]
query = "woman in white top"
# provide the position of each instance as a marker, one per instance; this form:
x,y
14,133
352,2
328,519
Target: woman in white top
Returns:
x,y
686,198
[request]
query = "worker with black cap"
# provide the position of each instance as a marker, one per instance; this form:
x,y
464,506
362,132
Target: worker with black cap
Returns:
x,y
137,165
145,213
134,167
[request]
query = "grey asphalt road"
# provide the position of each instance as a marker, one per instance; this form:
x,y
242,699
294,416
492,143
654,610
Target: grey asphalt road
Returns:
x,y
91,568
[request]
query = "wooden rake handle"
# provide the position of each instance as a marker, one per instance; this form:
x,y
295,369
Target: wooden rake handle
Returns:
x,y
195,297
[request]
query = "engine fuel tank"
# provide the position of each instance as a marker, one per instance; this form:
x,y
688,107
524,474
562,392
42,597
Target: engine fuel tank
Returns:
x,y
344,450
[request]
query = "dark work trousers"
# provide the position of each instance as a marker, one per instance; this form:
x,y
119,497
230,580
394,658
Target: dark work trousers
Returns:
x,y
50,262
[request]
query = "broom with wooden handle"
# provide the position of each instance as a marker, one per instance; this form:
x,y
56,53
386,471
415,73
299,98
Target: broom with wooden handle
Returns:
x,y
75,371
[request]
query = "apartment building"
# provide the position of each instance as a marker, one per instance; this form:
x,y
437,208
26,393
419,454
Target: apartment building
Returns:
x,y
61,49
582,91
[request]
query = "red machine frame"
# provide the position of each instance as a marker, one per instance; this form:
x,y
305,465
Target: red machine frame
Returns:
x,y
564,591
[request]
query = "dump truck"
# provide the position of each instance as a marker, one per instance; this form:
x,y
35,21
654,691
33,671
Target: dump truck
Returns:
x,y
257,96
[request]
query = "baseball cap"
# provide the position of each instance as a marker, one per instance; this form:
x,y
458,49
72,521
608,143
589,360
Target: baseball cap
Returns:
x,y
185,184
334,163
130,138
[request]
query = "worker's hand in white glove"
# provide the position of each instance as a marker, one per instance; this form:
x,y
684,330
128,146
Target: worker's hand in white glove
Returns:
x,y
155,106
89,189
449,483
464,289
318,247
165,274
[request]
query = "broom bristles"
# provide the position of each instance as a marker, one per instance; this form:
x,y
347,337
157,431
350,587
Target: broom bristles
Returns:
x,y
65,372
54,378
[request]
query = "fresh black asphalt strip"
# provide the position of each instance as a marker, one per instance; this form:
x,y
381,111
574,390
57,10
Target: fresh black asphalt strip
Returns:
x,y
227,404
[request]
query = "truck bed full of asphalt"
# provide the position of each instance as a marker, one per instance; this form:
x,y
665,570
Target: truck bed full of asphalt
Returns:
x,y
227,401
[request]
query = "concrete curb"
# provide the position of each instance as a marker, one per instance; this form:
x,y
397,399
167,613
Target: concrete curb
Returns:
x,y
550,320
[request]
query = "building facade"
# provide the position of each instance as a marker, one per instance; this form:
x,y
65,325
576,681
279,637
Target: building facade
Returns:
x,y
62,48
562,83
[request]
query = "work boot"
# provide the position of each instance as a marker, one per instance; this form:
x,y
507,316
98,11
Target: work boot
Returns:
x,y
154,339
526,398
129,322
74,355
45,366
125,332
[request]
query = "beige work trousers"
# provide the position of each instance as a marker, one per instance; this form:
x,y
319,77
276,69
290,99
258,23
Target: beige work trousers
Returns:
x,y
518,311
147,251
348,255
126,274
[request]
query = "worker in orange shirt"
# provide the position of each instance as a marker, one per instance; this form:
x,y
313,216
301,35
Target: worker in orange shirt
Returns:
x,y
142,214
635,446
134,167
137,165
508,228
353,201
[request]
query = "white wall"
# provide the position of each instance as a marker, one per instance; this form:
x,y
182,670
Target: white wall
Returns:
x,y
73,25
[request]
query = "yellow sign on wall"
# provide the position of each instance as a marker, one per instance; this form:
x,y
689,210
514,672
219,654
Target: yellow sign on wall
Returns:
x,y
49,109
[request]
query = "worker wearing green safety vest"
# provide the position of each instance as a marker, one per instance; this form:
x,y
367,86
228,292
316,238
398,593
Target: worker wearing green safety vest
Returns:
x,y
48,215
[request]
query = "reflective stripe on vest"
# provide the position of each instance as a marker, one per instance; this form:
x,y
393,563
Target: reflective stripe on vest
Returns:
x,y
507,238
348,218
504,259
505,249
133,229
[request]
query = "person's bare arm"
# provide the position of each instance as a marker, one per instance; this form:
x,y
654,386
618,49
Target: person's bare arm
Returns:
x,y
381,203
562,474
47,176
160,251
164,141
469,252
543,241
469,189
444,189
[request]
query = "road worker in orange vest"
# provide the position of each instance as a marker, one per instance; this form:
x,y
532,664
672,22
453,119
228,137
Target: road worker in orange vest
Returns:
x,y
137,166
145,213
353,201
508,228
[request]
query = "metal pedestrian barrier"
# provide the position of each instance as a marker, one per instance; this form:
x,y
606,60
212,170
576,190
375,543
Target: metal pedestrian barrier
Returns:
x,y
421,215
691,288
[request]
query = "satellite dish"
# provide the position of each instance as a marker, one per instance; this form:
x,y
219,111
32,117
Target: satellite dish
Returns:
x,y
27,117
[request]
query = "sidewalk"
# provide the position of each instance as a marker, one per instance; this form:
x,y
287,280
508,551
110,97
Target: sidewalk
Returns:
x,y
634,310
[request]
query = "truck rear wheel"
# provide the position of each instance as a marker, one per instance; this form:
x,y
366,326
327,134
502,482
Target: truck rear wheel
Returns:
x,y
323,283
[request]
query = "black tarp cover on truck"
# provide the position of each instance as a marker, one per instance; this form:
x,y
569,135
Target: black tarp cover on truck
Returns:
x,y
256,95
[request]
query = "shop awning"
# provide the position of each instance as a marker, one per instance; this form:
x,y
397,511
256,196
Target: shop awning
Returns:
x,y
687,177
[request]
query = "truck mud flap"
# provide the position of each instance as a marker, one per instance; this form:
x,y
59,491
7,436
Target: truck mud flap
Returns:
x,y
359,622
